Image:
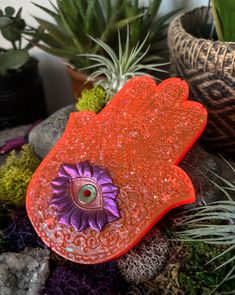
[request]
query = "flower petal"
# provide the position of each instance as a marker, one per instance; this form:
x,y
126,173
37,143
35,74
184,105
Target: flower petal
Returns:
x,y
80,168
59,198
97,219
110,195
96,172
62,206
59,181
111,206
92,220
108,188
87,169
62,172
104,178
79,219
111,217
60,190
65,217
76,218
101,219
71,170
84,222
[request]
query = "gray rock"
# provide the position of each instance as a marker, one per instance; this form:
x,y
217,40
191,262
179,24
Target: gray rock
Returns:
x,y
44,136
199,164
24,273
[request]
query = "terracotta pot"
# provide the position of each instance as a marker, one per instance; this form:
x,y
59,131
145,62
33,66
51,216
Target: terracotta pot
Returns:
x,y
209,68
78,81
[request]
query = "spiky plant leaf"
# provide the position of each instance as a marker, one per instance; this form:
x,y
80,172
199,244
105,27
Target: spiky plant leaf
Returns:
x,y
101,19
213,223
117,69
224,15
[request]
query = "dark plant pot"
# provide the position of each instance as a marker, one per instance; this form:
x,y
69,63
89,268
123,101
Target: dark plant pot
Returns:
x,y
22,98
209,68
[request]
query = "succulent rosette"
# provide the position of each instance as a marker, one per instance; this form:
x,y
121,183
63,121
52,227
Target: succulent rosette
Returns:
x,y
84,196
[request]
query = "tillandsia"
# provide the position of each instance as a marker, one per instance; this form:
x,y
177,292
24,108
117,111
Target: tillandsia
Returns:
x,y
214,223
115,70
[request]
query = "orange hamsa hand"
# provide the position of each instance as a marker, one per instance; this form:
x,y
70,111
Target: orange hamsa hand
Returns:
x,y
112,176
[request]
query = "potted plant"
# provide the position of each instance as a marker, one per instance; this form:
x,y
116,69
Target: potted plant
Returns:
x,y
75,20
21,90
114,70
205,56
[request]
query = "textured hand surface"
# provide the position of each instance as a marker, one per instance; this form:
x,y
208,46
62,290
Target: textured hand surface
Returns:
x,y
139,137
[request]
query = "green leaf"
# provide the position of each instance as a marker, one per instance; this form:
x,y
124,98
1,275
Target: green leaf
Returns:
x,y
4,21
48,11
11,33
19,24
224,18
124,22
81,8
14,59
89,15
64,53
9,11
18,14
55,32
153,7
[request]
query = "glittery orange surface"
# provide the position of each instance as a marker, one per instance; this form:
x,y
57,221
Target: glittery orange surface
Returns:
x,y
139,137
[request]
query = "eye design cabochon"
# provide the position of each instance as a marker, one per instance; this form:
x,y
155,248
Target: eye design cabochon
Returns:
x,y
84,196
136,140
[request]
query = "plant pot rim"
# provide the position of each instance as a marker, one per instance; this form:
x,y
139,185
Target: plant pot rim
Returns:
x,y
76,73
13,73
177,21
81,75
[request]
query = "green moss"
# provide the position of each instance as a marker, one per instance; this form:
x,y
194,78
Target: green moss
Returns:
x,y
15,175
196,276
92,100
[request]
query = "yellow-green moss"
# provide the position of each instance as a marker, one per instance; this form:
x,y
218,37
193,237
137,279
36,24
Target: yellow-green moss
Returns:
x,y
15,175
92,100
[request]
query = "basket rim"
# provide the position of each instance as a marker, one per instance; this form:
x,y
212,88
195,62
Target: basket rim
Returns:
x,y
177,22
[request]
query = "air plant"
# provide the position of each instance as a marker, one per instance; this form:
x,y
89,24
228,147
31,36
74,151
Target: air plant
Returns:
x,y
114,70
214,223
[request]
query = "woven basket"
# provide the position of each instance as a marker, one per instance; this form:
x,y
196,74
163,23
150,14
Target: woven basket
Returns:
x,y
209,68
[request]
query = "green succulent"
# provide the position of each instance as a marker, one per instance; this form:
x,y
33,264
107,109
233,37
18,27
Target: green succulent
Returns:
x,y
92,100
214,224
12,28
117,69
74,20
